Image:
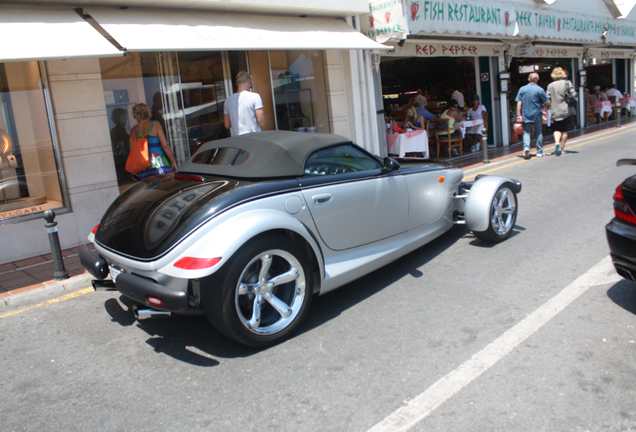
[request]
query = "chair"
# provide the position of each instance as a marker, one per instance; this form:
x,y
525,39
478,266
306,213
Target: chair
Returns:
x,y
590,113
445,140
398,116
484,116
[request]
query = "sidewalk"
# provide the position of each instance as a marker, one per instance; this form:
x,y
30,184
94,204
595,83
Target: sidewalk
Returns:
x,y
32,279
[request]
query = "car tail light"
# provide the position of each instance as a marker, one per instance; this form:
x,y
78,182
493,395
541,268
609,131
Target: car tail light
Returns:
x,y
155,301
621,209
95,229
190,177
191,263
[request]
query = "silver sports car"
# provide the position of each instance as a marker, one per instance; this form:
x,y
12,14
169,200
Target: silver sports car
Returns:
x,y
254,226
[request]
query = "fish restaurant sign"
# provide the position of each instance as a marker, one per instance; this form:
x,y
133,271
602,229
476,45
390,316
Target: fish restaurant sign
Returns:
x,y
497,18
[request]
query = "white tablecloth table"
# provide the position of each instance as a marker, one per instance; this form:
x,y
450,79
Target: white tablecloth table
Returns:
x,y
629,103
409,142
468,123
603,107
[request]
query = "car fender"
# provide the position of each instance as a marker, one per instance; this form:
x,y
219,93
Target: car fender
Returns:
x,y
479,200
226,238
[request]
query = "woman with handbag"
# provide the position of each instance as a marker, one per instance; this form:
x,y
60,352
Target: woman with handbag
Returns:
x,y
158,154
563,100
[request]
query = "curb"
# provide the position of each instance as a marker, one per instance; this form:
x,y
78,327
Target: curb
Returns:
x,y
72,284
506,158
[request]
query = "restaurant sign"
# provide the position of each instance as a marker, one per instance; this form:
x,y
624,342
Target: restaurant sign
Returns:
x,y
426,48
505,19
607,54
386,21
549,51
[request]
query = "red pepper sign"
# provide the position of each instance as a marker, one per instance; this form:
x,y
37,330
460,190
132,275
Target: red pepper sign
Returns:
x,y
415,7
388,17
371,19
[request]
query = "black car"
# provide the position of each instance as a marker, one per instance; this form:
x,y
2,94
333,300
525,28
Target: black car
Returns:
x,y
621,231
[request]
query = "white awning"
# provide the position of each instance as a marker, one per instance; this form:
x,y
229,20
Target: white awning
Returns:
x,y
48,33
152,30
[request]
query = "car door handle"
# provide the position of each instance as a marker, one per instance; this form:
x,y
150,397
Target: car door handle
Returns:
x,y
322,199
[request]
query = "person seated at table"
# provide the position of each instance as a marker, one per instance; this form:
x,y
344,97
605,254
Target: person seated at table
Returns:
x,y
453,115
473,133
599,95
613,91
412,119
588,97
423,112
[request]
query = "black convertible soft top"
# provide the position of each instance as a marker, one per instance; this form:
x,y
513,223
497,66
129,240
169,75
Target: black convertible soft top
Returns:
x,y
269,154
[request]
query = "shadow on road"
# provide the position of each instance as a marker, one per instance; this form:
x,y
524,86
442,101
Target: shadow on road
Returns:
x,y
623,293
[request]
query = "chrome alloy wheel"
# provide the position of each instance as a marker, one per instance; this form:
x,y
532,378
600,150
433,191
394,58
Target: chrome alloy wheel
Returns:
x,y
270,292
503,211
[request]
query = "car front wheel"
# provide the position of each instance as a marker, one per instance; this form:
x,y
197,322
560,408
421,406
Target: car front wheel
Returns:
x,y
263,294
503,216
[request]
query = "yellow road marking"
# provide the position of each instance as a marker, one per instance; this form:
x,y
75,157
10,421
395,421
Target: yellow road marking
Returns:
x,y
46,303
527,160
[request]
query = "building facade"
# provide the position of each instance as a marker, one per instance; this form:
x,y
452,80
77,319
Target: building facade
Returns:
x,y
488,48
71,75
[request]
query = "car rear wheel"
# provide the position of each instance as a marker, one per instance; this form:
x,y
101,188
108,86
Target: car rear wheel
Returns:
x,y
503,216
263,294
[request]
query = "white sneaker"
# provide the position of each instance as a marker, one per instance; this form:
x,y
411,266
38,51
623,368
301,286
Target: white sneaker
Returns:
x,y
539,154
477,146
472,149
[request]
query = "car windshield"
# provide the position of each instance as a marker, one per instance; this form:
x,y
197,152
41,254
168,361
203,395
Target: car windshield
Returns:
x,y
340,160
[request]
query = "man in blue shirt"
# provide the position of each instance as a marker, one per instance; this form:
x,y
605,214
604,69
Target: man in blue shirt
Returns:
x,y
532,102
423,112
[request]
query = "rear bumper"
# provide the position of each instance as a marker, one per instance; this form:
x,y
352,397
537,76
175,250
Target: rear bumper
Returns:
x,y
621,238
134,286
138,288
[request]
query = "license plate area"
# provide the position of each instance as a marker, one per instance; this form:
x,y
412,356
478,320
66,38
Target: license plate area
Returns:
x,y
114,272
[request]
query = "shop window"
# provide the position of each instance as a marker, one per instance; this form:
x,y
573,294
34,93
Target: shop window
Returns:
x,y
186,92
135,78
29,176
300,96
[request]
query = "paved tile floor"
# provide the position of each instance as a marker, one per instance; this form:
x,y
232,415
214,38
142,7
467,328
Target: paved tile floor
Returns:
x,y
36,272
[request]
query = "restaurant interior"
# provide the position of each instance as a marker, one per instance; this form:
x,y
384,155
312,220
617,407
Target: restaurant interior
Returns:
x,y
437,78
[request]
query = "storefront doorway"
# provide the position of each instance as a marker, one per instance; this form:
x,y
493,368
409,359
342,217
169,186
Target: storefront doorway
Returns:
x,y
438,77
521,68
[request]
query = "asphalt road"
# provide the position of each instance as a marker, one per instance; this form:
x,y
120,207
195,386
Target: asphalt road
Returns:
x,y
533,334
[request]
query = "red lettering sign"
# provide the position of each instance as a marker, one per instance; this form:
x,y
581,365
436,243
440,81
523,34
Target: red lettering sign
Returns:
x,y
425,50
455,50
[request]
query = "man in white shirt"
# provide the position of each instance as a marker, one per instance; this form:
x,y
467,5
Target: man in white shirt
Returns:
x,y
243,111
613,91
420,99
459,97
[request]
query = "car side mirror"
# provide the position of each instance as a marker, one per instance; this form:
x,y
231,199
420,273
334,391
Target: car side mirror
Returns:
x,y
390,165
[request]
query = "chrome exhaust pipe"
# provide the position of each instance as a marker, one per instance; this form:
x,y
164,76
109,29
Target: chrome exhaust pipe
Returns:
x,y
104,285
141,314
